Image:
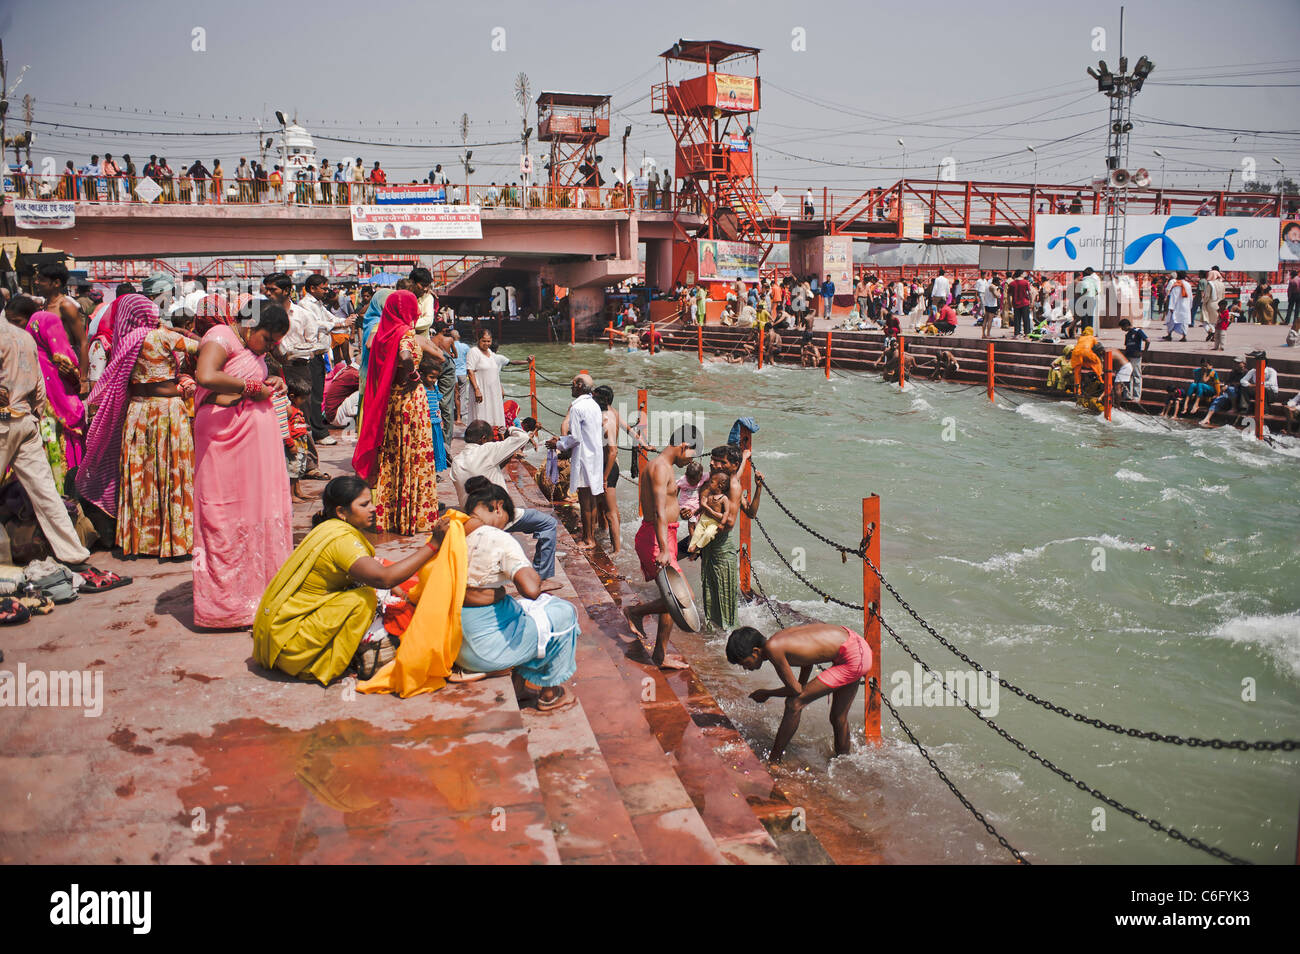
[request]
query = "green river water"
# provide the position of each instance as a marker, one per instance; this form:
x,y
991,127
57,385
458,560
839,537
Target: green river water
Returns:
x,y
1135,572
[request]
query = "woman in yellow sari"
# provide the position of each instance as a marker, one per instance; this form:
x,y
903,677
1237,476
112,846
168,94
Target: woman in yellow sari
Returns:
x,y
321,603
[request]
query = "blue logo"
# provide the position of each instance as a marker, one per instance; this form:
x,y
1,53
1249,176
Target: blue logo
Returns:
x,y
1228,250
1174,260
1070,251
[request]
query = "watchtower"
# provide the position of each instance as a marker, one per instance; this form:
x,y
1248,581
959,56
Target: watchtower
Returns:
x,y
573,123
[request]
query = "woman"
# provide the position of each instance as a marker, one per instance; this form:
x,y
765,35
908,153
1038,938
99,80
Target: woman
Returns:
x,y
484,370
1263,307
534,637
320,605
242,513
395,451
63,419
140,448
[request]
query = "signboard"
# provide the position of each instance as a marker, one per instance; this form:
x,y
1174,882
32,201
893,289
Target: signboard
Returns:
x,y
1001,258
734,92
411,195
949,232
1289,250
30,214
738,143
913,219
728,260
1159,243
415,222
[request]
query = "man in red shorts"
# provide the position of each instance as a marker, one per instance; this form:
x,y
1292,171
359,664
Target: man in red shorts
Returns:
x,y
656,544
805,646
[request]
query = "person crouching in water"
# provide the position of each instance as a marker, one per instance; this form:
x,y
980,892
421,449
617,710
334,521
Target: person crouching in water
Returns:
x,y
805,646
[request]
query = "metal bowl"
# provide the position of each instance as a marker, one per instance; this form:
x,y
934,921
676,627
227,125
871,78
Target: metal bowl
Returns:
x,y
681,601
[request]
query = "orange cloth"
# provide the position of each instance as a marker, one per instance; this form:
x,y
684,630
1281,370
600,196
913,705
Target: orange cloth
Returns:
x,y
1083,354
432,641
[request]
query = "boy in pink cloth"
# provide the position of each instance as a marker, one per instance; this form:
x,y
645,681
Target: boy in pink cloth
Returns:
x,y
805,646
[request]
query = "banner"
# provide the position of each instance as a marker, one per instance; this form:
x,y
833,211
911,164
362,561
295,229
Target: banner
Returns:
x,y
1159,243
913,219
734,92
415,222
30,214
411,195
1289,251
728,260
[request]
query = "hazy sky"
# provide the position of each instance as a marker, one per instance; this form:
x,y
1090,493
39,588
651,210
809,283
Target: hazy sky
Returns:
x,y
977,83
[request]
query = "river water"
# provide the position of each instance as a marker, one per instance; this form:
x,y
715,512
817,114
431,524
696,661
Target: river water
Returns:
x,y
1135,572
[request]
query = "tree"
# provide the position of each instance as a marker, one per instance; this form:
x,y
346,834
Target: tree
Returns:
x,y
1286,186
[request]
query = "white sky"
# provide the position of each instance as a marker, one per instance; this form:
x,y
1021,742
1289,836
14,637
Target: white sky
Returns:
x,y
952,79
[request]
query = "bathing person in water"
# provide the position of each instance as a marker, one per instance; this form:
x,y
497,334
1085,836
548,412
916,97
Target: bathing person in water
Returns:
x,y
805,646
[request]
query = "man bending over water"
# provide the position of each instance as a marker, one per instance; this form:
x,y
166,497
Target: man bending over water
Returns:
x,y
805,646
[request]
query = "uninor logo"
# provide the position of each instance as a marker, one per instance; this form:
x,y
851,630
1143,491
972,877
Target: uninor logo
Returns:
x,y
1071,252
1228,250
1172,255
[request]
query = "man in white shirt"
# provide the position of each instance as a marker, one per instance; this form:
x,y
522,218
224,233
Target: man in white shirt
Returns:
x,y
303,347
422,281
939,290
484,457
1179,316
1247,389
585,438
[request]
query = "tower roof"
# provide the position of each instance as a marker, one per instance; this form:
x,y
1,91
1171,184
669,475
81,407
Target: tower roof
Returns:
x,y
707,51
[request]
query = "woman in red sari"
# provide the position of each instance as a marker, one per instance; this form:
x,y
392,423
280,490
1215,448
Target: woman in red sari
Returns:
x,y
395,452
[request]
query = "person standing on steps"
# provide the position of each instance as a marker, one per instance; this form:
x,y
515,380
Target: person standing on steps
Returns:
x,y
587,464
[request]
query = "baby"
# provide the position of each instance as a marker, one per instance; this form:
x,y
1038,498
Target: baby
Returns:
x,y
714,505
688,494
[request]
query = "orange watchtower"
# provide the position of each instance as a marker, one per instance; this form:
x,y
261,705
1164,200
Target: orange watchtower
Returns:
x,y
573,123
711,118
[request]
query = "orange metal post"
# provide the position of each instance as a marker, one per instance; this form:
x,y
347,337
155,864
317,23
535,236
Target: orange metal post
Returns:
x,y
652,337
532,383
1259,399
699,341
1110,379
762,335
746,476
991,365
870,600
828,355
642,416
902,360
573,327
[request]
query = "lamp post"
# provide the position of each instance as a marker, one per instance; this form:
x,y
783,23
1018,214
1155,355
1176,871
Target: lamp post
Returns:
x,y
903,174
1281,177
1035,153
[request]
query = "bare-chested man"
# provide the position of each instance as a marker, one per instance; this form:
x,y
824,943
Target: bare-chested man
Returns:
x,y
656,544
805,646
613,422
51,282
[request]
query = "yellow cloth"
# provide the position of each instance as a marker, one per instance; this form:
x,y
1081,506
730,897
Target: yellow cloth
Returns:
x,y
705,531
432,642
312,618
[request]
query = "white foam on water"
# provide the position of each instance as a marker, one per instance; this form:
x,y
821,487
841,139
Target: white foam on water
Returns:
x,y
1277,636
877,441
1214,489
1133,476
1011,559
921,404
1177,494
772,453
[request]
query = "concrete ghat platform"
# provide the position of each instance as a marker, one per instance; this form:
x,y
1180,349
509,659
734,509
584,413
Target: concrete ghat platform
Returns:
x,y
201,757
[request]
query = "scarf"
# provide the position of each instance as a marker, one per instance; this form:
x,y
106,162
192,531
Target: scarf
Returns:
x,y
212,310
369,321
104,329
98,481
398,319
64,399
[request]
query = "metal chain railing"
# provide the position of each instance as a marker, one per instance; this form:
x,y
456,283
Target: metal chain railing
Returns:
x,y
858,551
766,600
1048,764
803,579
979,816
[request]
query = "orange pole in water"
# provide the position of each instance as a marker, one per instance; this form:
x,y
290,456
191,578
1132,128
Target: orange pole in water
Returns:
x,y
991,366
1110,382
870,601
828,355
902,359
1259,399
642,416
652,337
532,383
746,476
699,341
573,327
761,336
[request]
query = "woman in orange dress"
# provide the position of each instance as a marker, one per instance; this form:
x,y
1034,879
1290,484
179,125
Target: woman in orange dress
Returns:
x,y
395,448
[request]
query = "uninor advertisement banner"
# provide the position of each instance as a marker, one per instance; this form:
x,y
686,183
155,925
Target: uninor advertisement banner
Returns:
x,y
415,222
1157,243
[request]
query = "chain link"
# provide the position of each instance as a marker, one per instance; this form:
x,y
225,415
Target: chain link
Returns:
x,y
988,826
767,601
803,579
859,551
1047,763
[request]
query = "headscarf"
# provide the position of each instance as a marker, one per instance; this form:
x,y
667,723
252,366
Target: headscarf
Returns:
x,y
213,309
369,321
401,309
97,482
65,400
104,325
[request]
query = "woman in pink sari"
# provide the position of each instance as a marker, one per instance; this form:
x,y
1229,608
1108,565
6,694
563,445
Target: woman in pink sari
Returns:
x,y
58,362
242,514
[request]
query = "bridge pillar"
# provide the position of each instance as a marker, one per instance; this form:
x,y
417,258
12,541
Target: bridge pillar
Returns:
x,y
659,264
586,307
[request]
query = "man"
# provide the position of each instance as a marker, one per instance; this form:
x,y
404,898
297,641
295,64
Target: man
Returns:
x,y
987,291
828,297
946,321
587,464
1022,295
166,179
1180,308
1247,390
809,207
51,283
111,172
378,176
447,378
939,289
1136,345
326,178
303,348
805,646
130,177
1293,301
421,284
198,173
719,566
1086,297
462,372
244,176
656,544
484,457
1202,282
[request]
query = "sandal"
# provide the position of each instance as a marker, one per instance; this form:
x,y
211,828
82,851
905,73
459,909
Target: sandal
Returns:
x,y
39,605
315,475
97,582
459,675
375,655
12,612
562,701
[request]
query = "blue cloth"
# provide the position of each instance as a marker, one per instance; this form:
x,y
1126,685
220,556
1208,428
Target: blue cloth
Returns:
x,y
543,528
503,636
435,418
462,352
369,322
748,422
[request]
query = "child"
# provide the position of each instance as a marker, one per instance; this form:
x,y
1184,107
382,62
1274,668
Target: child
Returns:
x,y
295,444
805,646
688,495
715,505
1225,320
429,369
